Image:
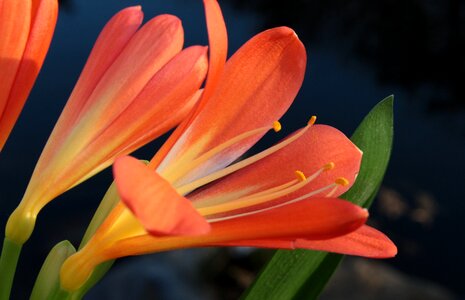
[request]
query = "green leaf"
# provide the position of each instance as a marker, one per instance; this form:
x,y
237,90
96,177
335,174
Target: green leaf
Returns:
x,y
374,137
302,274
48,280
317,281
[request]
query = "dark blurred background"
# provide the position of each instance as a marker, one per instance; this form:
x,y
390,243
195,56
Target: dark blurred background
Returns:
x,y
359,51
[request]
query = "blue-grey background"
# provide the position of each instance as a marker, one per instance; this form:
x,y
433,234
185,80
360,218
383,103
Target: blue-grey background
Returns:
x,y
358,53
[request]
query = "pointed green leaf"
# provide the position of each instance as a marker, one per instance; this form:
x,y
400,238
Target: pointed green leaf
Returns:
x,y
374,137
302,274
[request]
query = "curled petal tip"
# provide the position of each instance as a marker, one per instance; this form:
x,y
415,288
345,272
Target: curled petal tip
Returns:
x,y
154,202
171,18
286,31
391,252
132,11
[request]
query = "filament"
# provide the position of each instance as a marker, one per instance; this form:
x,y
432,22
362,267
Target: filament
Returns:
x,y
174,173
189,187
306,196
260,197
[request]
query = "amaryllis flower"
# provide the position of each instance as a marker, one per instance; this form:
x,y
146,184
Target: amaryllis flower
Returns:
x,y
137,84
190,195
26,29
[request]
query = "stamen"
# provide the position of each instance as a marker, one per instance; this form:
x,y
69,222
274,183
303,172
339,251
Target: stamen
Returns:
x,y
185,189
329,166
222,199
312,120
333,191
342,181
249,200
260,197
173,173
277,126
306,196
300,175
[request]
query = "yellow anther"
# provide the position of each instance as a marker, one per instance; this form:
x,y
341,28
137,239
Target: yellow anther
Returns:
x,y
276,126
312,121
328,166
342,181
300,175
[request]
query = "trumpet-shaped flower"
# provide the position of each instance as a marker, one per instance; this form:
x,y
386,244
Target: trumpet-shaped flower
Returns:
x,y
137,84
26,29
190,195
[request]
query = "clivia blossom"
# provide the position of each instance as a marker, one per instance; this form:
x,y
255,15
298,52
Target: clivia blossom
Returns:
x,y
193,194
26,29
137,84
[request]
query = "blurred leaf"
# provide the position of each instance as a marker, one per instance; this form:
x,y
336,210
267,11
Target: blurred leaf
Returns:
x,y
302,274
48,280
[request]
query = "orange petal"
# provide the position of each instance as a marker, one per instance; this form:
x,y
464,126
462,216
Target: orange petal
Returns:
x,y
320,145
44,16
365,241
161,105
143,56
156,43
218,41
160,209
257,86
109,45
15,20
163,102
318,218
146,53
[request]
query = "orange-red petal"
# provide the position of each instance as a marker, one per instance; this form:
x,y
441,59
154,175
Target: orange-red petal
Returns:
x,y
143,55
161,105
44,16
218,51
257,86
218,40
320,145
318,218
109,45
160,209
15,20
365,241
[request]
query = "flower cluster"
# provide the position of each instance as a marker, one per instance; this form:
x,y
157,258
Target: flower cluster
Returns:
x,y
137,84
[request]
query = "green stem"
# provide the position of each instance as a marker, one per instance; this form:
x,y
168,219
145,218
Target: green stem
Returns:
x,y
8,262
60,294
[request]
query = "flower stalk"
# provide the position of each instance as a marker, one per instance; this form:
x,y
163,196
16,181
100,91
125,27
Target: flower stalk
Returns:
x,y
8,262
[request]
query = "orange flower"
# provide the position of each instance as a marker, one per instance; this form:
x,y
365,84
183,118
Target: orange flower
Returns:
x,y
283,197
136,85
26,29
